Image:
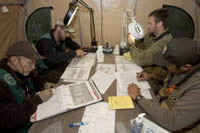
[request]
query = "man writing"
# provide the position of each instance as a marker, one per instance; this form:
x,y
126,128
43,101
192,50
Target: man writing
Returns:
x,y
179,97
18,98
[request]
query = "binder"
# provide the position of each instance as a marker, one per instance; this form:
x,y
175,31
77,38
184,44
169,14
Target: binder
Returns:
x,y
66,98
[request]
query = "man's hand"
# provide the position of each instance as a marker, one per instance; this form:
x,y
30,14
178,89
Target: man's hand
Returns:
x,y
131,39
133,90
45,94
141,76
49,85
80,52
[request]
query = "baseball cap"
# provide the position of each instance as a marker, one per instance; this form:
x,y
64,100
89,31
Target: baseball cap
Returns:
x,y
23,48
65,27
178,51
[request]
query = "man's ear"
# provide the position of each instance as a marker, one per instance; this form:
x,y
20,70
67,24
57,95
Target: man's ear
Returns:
x,y
58,28
14,59
160,24
186,67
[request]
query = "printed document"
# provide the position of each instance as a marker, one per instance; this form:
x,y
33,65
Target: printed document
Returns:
x,y
86,61
76,74
68,97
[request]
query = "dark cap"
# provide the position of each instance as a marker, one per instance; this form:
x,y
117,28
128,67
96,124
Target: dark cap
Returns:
x,y
178,51
23,48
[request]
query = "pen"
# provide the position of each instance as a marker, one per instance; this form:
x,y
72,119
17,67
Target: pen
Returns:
x,y
78,124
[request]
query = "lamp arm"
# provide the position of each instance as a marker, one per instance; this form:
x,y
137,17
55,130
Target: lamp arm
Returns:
x,y
92,23
83,4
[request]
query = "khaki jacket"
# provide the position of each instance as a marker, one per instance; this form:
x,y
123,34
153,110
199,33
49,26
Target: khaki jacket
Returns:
x,y
182,106
144,56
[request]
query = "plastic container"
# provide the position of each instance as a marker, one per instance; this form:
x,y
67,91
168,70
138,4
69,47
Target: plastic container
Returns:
x,y
137,124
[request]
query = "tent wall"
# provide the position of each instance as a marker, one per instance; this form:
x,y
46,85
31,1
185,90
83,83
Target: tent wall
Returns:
x,y
112,18
8,28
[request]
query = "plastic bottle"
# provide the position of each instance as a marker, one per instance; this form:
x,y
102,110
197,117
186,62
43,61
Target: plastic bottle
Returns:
x,y
137,124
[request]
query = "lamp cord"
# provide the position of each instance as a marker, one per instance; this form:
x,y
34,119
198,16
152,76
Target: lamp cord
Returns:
x,y
135,8
79,20
102,40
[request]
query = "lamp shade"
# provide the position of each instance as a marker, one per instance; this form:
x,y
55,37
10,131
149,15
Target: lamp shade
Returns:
x,y
70,13
136,30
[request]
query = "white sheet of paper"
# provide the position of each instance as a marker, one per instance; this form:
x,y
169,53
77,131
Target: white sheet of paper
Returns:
x,y
97,116
76,74
126,78
151,127
106,68
121,60
128,67
146,93
102,81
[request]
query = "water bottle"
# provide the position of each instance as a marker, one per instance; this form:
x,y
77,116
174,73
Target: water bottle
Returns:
x,y
137,124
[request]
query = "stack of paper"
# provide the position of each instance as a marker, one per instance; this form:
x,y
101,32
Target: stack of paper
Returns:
x,y
79,68
86,61
76,74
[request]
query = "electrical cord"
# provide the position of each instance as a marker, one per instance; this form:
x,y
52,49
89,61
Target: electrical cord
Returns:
x,y
102,40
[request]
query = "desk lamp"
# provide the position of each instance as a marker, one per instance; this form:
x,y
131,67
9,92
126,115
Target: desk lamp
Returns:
x,y
73,7
135,29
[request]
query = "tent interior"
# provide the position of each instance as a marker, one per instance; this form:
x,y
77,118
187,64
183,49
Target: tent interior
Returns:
x,y
29,19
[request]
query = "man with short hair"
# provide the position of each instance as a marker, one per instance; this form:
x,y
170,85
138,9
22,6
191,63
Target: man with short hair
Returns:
x,y
155,40
18,98
53,47
179,97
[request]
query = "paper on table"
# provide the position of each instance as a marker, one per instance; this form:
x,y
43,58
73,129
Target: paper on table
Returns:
x,y
145,93
102,81
120,102
86,61
151,127
121,60
106,68
97,116
128,67
67,97
126,78
76,74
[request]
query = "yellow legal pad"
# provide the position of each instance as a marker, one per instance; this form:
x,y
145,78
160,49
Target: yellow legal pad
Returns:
x,y
120,102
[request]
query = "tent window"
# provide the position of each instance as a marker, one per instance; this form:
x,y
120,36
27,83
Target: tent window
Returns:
x,y
180,22
38,23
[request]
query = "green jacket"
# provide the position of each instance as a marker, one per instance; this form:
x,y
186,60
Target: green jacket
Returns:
x,y
18,100
144,57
